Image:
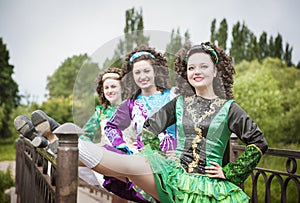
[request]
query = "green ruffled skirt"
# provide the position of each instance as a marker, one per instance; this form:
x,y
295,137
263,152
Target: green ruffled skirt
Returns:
x,y
175,185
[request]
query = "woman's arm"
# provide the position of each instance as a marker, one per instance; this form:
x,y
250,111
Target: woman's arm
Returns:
x,y
158,123
118,122
240,123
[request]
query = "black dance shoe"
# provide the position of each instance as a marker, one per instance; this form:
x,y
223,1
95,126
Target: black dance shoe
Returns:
x,y
44,125
26,128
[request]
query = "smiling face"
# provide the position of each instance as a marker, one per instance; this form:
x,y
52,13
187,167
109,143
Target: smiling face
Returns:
x,y
112,90
143,74
200,73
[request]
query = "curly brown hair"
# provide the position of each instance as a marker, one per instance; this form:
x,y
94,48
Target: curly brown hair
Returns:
x,y
222,83
159,64
99,84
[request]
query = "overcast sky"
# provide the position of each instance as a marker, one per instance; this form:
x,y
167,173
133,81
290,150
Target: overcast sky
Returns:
x,y
40,35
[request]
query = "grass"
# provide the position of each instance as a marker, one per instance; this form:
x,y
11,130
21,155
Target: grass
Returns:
x,y
7,152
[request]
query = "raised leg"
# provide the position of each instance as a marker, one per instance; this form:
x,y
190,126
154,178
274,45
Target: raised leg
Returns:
x,y
108,163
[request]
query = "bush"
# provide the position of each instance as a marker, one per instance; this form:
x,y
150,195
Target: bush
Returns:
x,y
6,181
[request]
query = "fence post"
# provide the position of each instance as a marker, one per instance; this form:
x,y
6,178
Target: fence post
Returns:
x,y
67,163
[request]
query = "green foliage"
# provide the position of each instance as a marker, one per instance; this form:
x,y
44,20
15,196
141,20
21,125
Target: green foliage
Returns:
x,y
222,34
213,30
269,92
7,151
73,80
289,85
84,94
83,108
252,49
271,47
9,119
20,110
278,51
9,88
288,54
245,46
61,83
9,97
258,93
240,42
219,36
176,43
59,108
298,65
263,49
6,181
290,123
133,37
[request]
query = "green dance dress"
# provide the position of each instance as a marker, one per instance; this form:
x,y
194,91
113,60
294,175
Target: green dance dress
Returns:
x,y
94,128
204,128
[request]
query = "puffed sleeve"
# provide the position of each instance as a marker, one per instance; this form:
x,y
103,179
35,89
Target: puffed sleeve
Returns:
x,y
118,122
240,123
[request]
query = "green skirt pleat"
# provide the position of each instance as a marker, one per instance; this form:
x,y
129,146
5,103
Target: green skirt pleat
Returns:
x,y
174,184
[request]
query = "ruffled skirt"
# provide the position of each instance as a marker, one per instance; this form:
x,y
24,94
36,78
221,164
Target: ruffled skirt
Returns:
x,y
174,184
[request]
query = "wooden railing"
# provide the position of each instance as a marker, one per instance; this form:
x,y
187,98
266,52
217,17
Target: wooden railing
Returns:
x,y
43,177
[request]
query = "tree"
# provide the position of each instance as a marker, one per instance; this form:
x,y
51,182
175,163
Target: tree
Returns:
x,y
240,41
252,52
73,85
222,34
287,57
176,43
9,97
263,50
278,50
246,46
269,92
219,36
257,91
271,47
291,119
213,37
133,37
84,93
62,106
298,65
62,82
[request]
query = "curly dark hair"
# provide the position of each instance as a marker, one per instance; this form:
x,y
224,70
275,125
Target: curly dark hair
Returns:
x,y
222,83
159,64
99,84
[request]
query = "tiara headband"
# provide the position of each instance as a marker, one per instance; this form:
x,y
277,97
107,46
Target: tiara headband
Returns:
x,y
139,54
205,48
110,75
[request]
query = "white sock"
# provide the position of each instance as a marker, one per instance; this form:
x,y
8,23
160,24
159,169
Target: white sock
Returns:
x,y
89,153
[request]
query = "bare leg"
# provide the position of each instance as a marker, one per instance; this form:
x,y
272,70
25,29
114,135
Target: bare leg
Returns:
x,y
108,163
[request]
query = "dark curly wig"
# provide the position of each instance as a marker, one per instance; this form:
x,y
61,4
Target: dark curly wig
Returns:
x,y
222,83
159,64
99,84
